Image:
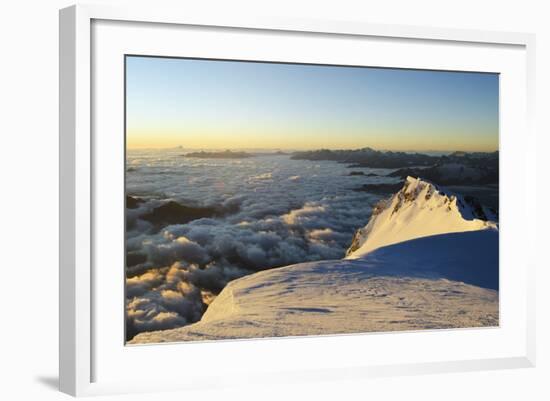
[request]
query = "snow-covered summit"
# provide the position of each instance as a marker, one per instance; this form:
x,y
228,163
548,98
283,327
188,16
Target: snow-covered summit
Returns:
x,y
420,209
427,259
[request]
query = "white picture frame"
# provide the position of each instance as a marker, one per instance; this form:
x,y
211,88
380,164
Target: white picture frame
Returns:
x,y
79,155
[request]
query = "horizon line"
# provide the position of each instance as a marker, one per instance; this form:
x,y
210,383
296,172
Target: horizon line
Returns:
x,y
303,149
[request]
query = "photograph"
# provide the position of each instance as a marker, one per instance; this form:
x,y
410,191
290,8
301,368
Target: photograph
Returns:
x,y
274,199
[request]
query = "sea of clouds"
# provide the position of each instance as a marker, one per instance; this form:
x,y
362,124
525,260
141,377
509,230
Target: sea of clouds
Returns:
x,y
283,212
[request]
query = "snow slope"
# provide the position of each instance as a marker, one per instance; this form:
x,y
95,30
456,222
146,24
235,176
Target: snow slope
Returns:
x,y
418,277
420,209
427,283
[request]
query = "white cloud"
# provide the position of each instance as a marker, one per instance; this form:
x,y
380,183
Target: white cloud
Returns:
x,y
280,213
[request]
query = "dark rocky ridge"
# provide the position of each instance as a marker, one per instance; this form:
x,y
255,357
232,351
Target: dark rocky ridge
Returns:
x,y
174,213
228,154
133,202
380,188
368,157
483,175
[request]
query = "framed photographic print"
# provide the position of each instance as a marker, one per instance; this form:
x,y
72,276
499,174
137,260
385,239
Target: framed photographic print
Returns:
x,y
306,198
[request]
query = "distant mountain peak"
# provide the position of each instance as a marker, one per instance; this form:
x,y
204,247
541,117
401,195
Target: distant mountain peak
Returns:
x,y
420,209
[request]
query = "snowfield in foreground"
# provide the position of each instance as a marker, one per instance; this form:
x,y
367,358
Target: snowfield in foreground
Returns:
x,y
418,276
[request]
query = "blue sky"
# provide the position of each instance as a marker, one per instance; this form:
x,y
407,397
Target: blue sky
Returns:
x,y
230,104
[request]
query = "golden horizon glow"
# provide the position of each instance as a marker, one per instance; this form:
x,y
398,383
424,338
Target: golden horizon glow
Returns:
x,y
198,104
323,140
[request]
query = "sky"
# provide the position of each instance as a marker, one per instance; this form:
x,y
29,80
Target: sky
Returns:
x,y
213,104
